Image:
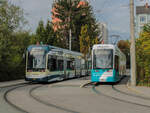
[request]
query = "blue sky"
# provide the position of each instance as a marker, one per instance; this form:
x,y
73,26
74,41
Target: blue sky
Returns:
x,y
115,13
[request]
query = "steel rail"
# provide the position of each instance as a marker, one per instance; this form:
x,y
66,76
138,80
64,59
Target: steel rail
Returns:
x,y
117,99
129,94
9,102
47,103
6,86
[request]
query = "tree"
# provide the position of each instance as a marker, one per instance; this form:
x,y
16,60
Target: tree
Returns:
x,y
49,32
72,14
11,17
124,46
85,42
143,55
40,32
13,42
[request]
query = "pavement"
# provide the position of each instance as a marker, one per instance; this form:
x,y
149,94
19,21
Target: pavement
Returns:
x,y
142,90
69,96
10,83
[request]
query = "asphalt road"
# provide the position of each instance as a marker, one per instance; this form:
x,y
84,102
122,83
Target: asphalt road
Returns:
x,y
69,97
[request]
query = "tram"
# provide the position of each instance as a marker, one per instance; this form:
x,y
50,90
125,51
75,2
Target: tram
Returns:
x,y
108,63
45,63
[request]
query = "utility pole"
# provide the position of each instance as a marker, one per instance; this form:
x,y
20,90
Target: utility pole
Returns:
x,y
132,47
70,39
70,35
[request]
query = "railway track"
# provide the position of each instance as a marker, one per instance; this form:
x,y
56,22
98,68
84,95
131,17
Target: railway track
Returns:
x,y
10,89
7,86
118,99
129,94
47,103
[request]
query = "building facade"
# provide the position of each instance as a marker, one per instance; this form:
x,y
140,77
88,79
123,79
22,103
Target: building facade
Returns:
x,y
142,18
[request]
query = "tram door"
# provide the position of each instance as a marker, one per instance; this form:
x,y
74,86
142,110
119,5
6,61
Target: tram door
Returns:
x,y
52,63
70,70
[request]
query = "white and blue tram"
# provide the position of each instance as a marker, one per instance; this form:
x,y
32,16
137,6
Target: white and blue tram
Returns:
x,y
45,63
108,63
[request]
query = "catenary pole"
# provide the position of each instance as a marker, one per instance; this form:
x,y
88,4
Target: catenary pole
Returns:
x,y
132,47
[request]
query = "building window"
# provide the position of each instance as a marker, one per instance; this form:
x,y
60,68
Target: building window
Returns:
x,y
143,19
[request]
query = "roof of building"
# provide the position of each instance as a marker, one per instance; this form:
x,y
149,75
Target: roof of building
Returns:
x,y
142,10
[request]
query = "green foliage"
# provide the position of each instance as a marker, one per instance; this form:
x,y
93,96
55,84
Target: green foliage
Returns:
x,y
44,34
11,17
124,46
73,16
12,42
85,42
143,55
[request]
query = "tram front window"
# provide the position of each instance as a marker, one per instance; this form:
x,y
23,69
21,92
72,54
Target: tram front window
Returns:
x,y
36,60
103,59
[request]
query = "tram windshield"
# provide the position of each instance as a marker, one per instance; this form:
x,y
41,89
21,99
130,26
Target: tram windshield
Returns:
x,y
103,59
36,60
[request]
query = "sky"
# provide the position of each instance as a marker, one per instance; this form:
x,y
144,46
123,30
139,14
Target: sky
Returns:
x,y
115,13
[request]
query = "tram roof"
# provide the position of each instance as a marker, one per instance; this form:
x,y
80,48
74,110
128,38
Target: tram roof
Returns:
x,y
57,49
108,46
49,48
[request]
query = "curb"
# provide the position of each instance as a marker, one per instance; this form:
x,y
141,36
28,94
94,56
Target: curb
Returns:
x,y
136,91
84,84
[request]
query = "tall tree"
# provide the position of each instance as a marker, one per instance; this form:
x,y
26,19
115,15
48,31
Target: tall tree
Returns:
x,y
143,55
85,42
40,32
12,41
124,46
11,17
50,34
72,14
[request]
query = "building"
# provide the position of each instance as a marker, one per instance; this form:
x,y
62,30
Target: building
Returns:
x,y
142,17
103,37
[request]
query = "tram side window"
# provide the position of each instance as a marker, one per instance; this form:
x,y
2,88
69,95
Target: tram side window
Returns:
x,y
70,65
77,63
60,65
52,64
89,64
116,63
